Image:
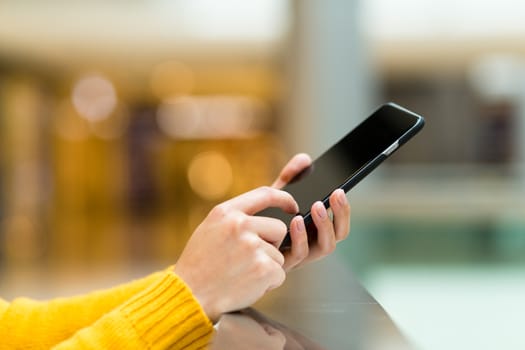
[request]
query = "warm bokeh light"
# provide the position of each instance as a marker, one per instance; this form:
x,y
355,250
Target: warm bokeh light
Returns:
x,y
94,97
210,175
212,117
180,117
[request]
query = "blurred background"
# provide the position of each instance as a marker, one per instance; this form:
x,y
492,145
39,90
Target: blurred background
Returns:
x,y
123,123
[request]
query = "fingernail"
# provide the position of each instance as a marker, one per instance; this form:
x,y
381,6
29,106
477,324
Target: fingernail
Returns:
x,y
299,225
341,197
321,212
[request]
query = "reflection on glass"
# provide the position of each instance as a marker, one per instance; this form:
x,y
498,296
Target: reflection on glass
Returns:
x,y
249,329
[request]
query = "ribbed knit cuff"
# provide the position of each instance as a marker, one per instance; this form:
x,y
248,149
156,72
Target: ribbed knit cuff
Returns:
x,y
168,315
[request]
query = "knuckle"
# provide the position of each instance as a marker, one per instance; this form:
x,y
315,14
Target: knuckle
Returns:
x,y
344,234
329,247
347,228
249,243
280,278
220,210
346,208
235,222
302,254
267,191
266,188
281,259
261,267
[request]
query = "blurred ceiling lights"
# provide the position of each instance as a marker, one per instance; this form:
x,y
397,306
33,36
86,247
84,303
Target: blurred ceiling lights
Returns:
x,y
137,30
92,110
386,20
195,117
422,36
498,77
94,97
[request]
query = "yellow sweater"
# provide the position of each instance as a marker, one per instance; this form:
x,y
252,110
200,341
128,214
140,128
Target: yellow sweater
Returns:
x,y
156,312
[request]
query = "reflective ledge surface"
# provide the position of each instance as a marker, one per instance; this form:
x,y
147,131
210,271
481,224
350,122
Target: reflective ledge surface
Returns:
x,y
321,306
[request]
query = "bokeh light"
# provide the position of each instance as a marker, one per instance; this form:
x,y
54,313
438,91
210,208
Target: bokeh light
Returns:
x,y
498,76
94,97
179,117
210,175
212,116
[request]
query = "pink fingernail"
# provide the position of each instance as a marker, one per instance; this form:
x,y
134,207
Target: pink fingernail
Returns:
x,y
341,198
299,225
321,212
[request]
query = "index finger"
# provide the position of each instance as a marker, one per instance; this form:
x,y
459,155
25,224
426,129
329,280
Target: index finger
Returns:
x,y
264,197
297,164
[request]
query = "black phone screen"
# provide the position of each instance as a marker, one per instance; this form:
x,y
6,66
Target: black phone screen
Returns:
x,y
349,160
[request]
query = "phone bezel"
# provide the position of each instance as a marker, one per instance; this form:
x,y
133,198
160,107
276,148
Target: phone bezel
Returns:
x,y
362,172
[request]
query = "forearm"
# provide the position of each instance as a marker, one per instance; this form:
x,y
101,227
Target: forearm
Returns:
x,y
43,324
165,315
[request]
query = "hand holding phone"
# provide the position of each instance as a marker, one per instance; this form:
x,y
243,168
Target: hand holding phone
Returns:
x,y
347,162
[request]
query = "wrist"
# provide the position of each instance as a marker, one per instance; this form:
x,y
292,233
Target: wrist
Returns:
x,y
205,301
209,309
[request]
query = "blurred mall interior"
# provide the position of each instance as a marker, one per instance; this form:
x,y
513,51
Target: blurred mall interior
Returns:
x,y
123,123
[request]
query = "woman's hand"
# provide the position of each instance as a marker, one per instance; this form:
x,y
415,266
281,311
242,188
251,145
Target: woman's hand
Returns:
x,y
329,232
232,258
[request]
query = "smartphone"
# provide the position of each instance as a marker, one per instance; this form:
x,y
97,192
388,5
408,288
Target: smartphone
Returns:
x,y
348,161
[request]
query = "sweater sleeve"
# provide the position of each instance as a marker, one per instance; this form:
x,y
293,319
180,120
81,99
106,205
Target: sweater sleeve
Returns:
x,y
164,316
29,324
